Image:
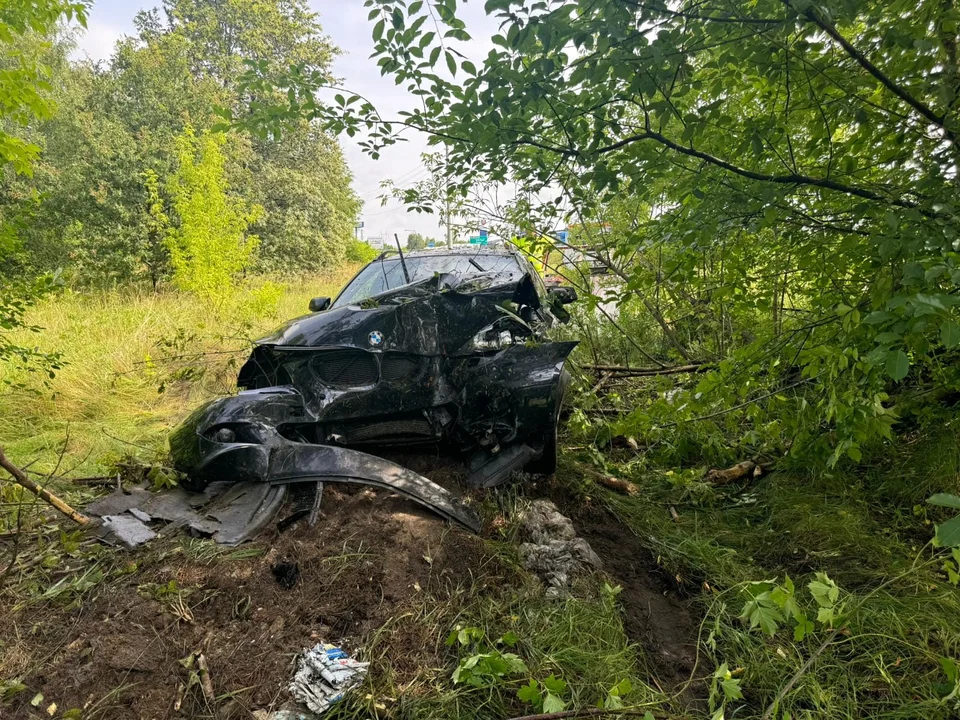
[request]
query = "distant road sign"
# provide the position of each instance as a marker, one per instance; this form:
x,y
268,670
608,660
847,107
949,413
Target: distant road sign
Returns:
x,y
563,235
478,240
359,225
483,234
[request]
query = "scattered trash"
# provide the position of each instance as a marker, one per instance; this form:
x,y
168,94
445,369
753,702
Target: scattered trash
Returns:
x,y
325,673
555,553
128,529
286,573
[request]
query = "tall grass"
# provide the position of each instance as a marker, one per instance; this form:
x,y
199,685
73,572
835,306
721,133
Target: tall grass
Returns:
x,y
124,350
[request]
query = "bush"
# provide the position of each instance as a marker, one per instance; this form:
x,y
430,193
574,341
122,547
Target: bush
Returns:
x,y
359,252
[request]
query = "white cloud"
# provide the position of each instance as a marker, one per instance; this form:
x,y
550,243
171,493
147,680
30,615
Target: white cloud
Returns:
x,y
98,40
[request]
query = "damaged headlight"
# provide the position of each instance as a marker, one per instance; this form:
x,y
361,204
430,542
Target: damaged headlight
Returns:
x,y
497,337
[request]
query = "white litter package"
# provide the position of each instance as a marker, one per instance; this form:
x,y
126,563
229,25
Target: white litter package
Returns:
x,y
325,673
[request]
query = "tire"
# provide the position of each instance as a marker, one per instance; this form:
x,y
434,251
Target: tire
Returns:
x,y
546,464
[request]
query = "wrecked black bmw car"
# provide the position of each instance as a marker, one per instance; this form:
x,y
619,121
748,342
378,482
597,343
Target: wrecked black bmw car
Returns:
x,y
437,348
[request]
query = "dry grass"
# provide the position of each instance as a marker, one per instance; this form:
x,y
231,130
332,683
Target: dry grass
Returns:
x,y
120,348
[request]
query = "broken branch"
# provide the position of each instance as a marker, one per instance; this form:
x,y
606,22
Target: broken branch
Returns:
x,y
206,683
642,372
734,473
21,479
622,486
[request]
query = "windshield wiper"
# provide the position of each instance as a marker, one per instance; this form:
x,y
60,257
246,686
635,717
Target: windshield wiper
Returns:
x,y
476,264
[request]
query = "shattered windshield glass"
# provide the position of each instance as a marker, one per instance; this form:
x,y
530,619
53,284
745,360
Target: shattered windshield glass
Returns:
x,y
386,274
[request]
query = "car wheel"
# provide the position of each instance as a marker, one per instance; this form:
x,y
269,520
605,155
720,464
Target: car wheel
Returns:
x,y
546,464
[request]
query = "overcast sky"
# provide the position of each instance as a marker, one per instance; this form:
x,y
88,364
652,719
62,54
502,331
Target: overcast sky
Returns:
x,y
345,21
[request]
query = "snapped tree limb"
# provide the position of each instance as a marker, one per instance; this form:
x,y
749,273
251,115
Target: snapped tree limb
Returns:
x,y
21,479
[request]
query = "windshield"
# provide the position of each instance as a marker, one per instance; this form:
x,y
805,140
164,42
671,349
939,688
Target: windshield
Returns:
x,y
382,275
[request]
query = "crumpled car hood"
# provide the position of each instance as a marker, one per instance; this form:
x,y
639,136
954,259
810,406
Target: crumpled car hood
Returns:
x,y
437,316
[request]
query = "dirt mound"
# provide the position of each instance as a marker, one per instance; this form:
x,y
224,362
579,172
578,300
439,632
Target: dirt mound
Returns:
x,y
369,556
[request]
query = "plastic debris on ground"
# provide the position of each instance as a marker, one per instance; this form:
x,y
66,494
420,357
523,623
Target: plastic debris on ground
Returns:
x,y
324,675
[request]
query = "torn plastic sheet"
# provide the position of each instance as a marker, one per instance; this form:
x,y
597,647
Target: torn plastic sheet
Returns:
x,y
324,675
229,513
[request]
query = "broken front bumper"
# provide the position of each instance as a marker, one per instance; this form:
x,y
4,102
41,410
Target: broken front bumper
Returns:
x,y
236,439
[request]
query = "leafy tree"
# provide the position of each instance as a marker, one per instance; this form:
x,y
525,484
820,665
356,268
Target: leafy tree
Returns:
x,y
210,246
359,252
92,213
776,180
23,100
416,241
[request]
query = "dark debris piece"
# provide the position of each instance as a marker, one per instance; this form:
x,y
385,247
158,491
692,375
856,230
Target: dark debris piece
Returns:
x,y
286,573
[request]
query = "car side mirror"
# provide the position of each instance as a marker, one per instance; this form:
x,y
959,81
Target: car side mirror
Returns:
x,y
564,294
319,304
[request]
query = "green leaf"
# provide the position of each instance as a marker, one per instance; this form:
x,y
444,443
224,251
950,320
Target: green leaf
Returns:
x,y
950,333
451,63
510,638
530,693
414,7
948,534
824,591
555,684
378,30
763,615
552,704
802,629
945,500
897,365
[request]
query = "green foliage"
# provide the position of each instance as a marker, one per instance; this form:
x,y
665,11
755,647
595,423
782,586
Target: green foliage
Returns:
x,y
360,252
724,688
24,99
416,241
546,696
769,605
24,79
948,533
772,183
488,664
98,197
210,246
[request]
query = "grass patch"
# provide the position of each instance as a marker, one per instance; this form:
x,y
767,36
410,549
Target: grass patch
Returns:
x,y
890,653
579,640
136,362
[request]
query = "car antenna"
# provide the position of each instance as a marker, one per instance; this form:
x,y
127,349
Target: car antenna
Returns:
x,y
402,261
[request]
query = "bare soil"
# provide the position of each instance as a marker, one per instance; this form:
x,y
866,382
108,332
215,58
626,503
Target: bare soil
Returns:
x,y
371,558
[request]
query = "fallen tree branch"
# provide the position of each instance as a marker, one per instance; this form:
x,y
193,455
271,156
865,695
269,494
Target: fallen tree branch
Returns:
x,y
639,372
21,479
206,682
604,376
747,468
622,486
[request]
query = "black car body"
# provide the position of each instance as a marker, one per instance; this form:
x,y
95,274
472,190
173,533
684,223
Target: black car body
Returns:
x,y
444,348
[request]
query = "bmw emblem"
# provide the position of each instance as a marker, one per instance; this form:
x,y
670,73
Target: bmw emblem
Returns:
x,y
376,337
